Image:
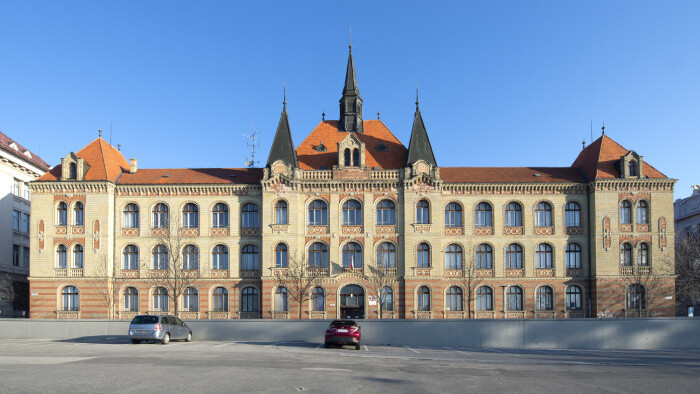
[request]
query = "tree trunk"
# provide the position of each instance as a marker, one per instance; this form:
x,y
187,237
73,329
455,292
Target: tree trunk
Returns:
x,y
300,304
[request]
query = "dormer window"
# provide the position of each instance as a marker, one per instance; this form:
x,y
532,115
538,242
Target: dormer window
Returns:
x,y
320,147
356,157
632,168
631,165
351,152
382,148
73,171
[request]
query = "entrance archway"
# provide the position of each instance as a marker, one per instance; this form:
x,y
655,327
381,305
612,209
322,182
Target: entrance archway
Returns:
x,y
352,302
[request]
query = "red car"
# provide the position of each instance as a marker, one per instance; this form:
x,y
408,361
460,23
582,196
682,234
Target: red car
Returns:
x,y
343,332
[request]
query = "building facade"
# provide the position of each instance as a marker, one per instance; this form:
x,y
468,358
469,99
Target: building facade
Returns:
x,y
353,207
18,167
687,211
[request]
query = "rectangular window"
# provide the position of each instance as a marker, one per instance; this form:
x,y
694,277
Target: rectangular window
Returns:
x,y
16,249
25,223
17,188
25,259
25,192
16,219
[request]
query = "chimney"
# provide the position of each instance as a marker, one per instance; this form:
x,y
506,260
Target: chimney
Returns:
x,y
132,166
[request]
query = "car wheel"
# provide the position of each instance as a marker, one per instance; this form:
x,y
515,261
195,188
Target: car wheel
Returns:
x,y
135,341
357,346
189,337
166,339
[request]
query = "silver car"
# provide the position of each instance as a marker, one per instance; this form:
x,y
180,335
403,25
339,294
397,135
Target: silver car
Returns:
x,y
158,328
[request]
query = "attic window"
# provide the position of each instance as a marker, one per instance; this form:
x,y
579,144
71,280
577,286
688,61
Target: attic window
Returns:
x,y
537,174
233,175
28,154
166,176
382,148
13,146
323,168
320,147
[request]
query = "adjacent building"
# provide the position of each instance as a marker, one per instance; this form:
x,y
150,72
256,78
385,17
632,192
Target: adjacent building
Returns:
x,y
18,167
351,204
687,212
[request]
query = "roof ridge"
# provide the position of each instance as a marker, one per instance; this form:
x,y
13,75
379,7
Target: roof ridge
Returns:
x,y
102,154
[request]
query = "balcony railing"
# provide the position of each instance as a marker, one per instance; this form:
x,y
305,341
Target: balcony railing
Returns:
x,y
250,273
127,314
68,272
218,315
318,271
422,314
352,270
515,314
67,314
484,314
544,314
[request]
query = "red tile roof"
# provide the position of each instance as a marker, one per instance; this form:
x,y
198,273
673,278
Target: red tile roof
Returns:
x,y
169,176
375,133
599,159
106,163
21,152
510,174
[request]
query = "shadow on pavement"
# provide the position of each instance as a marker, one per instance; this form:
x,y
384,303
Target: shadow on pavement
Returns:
x,y
107,339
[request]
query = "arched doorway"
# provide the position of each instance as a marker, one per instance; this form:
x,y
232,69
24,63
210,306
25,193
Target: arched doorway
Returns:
x,y
352,302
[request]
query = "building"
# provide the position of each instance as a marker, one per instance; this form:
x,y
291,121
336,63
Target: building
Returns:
x,y
589,239
687,211
18,167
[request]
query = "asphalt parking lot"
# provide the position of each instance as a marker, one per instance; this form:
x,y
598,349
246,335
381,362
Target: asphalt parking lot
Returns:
x,y
113,364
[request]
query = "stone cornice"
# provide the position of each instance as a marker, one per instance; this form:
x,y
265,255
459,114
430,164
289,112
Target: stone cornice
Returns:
x,y
71,187
515,188
188,190
665,184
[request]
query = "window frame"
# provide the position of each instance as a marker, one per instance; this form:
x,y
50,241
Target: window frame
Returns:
x,y
386,212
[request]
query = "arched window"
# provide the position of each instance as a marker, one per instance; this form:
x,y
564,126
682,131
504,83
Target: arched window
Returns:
x,y
625,212
386,255
131,299
514,215
453,257
131,257
545,298
543,215
514,256
190,300
386,213
348,163
453,299
281,212
573,298
484,257
514,299
352,255
482,215
70,299
318,299
352,213
78,214
422,212
484,299
573,256
220,216
423,256
219,257
453,215
281,255
572,215
632,168
318,255
249,300
249,216
281,297
543,255
190,257
160,299
62,214
423,298
626,254
636,297
131,216
643,254
318,213
250,257
61,256
73,171
160,257
642,212
160,216
219,300
387,299
356,157
78,256
190,216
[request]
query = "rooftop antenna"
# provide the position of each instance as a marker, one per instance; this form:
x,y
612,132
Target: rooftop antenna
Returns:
x,y
253,142
323,115
584,144
603,128
350,27
379,115
99,133
119,147
417,101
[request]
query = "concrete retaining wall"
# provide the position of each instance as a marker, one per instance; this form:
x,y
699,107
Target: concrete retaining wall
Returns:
x,y
652,333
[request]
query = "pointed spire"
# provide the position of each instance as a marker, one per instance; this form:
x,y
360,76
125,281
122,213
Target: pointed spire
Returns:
x,y
350,103
419,147
350,78
282,146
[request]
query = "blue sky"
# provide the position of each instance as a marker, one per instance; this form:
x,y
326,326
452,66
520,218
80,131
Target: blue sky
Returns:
x,y
507,83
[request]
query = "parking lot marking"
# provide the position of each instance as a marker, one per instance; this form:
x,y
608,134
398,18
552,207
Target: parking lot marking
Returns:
x,y
319,345
413,350
366,349
454,350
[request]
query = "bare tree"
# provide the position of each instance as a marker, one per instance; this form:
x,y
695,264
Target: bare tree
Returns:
x,y
688,270
469,279
104,282
8,292
174,274
377,277
298,279
653,280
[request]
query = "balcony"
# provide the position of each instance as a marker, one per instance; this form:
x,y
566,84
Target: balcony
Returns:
x,y
644,269
318,271
512,231
626,270
347,270
61,230
68,272
157,313
387,271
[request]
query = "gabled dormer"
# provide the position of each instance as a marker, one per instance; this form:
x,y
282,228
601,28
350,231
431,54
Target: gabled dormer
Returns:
x,y
351,152
73,168
631,165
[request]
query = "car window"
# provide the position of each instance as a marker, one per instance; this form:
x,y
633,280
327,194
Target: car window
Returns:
x,y
166,320
343,323
179,322
145,320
